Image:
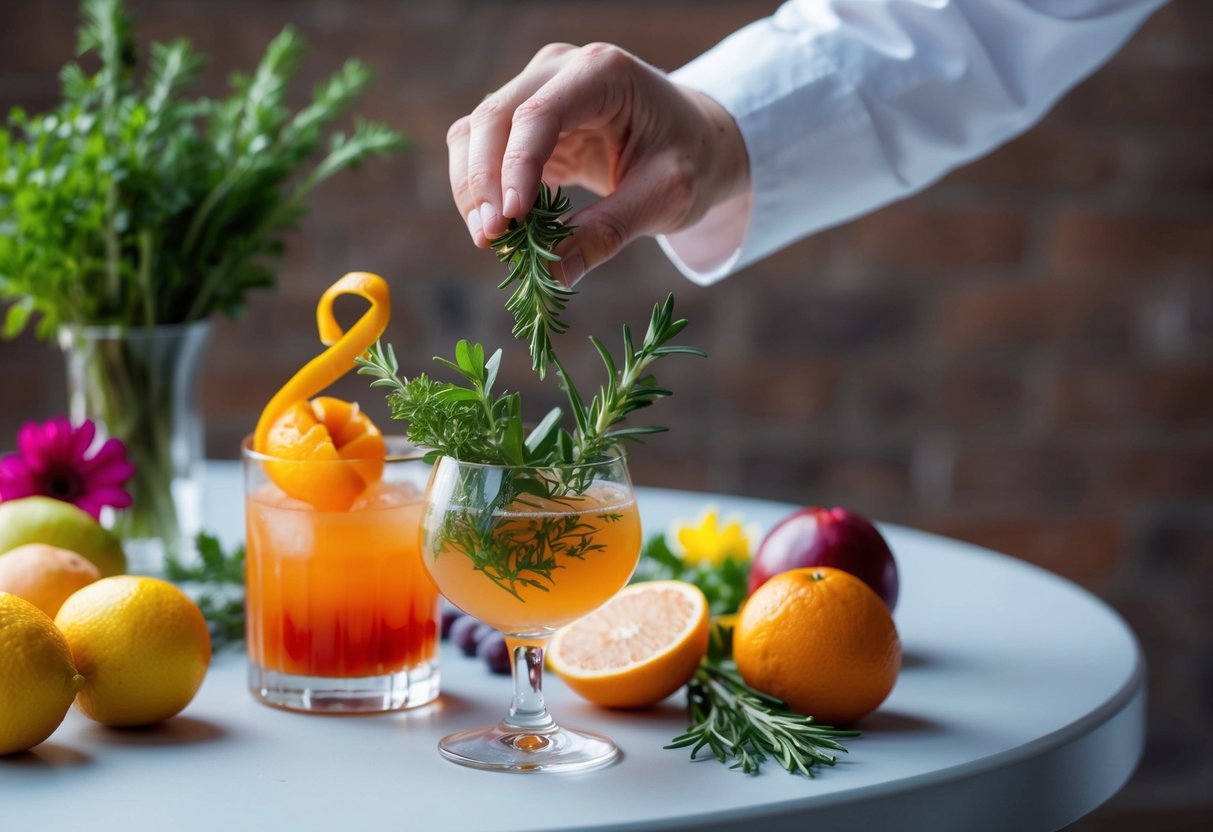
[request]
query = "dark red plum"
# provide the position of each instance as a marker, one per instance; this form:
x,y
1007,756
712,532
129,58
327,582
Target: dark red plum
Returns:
x,y
828,537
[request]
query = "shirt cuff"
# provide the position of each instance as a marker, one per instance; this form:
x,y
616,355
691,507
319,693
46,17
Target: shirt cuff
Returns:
x,y
815,158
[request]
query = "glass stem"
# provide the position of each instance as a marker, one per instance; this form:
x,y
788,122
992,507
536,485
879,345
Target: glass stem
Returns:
x,y
528,711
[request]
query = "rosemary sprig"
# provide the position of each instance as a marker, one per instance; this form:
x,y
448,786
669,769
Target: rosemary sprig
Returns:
x,y
515,554
216,584
736,722
628,389
468,421
539,298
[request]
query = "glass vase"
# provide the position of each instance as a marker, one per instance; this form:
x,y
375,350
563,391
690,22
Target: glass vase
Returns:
x,y
140,384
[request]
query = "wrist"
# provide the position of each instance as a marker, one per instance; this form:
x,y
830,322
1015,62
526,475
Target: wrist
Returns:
x,y
726,163
706,247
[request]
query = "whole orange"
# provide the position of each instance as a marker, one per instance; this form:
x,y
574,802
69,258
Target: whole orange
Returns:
x,y
822,641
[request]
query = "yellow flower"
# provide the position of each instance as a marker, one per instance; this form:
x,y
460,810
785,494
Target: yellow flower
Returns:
x,y
707,542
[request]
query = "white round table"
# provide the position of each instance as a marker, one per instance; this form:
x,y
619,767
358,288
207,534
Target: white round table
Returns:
x,y
1020,707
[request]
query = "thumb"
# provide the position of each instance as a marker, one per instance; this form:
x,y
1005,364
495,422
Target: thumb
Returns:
x,y
642,204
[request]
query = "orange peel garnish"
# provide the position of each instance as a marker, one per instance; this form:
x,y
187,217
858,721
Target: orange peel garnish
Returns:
x,y
327,430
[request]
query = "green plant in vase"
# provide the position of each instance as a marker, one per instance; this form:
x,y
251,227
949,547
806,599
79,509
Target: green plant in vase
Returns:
x,y
133,213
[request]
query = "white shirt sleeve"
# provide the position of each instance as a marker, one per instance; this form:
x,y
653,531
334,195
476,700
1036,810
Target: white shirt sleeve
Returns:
x,y
847,105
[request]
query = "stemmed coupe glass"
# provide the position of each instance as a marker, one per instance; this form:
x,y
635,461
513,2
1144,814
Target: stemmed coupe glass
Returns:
x,y
527,551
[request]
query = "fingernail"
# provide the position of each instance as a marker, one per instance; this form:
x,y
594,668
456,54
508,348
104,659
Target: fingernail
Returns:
x,y
512,204
572,267
474,225
489,219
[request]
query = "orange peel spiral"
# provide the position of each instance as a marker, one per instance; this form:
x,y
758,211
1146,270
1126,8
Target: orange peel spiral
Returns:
x,y
296,429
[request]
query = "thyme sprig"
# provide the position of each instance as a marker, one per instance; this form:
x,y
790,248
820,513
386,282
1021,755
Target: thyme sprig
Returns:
x,y
737,723
538,299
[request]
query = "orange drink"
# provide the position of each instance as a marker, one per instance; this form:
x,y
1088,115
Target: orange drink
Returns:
x,y
592,542
342,615
528,550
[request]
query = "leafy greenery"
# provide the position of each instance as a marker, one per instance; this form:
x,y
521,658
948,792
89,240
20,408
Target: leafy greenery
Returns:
x,y
468,421
472,424
724,584
737,723
217,586
131,204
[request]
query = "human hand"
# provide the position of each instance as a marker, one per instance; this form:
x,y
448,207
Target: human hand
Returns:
x,y
658,153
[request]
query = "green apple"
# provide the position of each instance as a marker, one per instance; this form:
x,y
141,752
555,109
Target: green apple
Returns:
x,y
56,523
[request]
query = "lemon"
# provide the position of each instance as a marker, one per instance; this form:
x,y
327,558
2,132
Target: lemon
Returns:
x,y
141,644
37,678
637,648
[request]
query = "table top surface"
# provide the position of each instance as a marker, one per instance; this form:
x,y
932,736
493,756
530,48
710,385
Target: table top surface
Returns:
x,y
1019,707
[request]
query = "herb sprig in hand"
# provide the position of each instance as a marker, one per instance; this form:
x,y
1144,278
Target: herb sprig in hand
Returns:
x,y
468,421
538,298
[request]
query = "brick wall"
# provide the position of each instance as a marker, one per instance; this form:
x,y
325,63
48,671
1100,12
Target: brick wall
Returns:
x,y
1021,356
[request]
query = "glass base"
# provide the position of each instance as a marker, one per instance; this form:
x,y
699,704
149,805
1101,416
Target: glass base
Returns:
x,y
503,748
410,688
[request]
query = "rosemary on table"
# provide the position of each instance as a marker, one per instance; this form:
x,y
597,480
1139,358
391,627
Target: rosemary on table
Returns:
x,y
737,723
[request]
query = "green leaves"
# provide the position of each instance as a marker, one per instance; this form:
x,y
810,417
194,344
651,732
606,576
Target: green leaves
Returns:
x,y
724,584
132,204
739,724
469,422
216,582
630,388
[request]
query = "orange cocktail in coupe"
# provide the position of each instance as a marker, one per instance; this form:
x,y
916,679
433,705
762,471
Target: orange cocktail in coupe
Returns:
x,y
342,615
530,527
592,552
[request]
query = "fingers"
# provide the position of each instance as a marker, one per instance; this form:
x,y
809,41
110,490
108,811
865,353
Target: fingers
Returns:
x,y
498,152
652,199
476,144
457,138
586,92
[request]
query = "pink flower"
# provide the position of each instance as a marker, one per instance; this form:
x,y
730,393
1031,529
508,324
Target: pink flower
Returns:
x,y
52,460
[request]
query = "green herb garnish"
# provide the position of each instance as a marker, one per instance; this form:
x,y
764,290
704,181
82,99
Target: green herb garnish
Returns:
x,y
131,204
737,723
539,298
467,420
527,553
216,583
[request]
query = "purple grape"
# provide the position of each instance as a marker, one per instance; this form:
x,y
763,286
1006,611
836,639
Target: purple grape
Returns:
x,y
481,633
463,634
449,616
496,654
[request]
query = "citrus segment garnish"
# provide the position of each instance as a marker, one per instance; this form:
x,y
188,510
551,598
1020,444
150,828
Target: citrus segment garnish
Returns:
x,y
636,649
328,429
